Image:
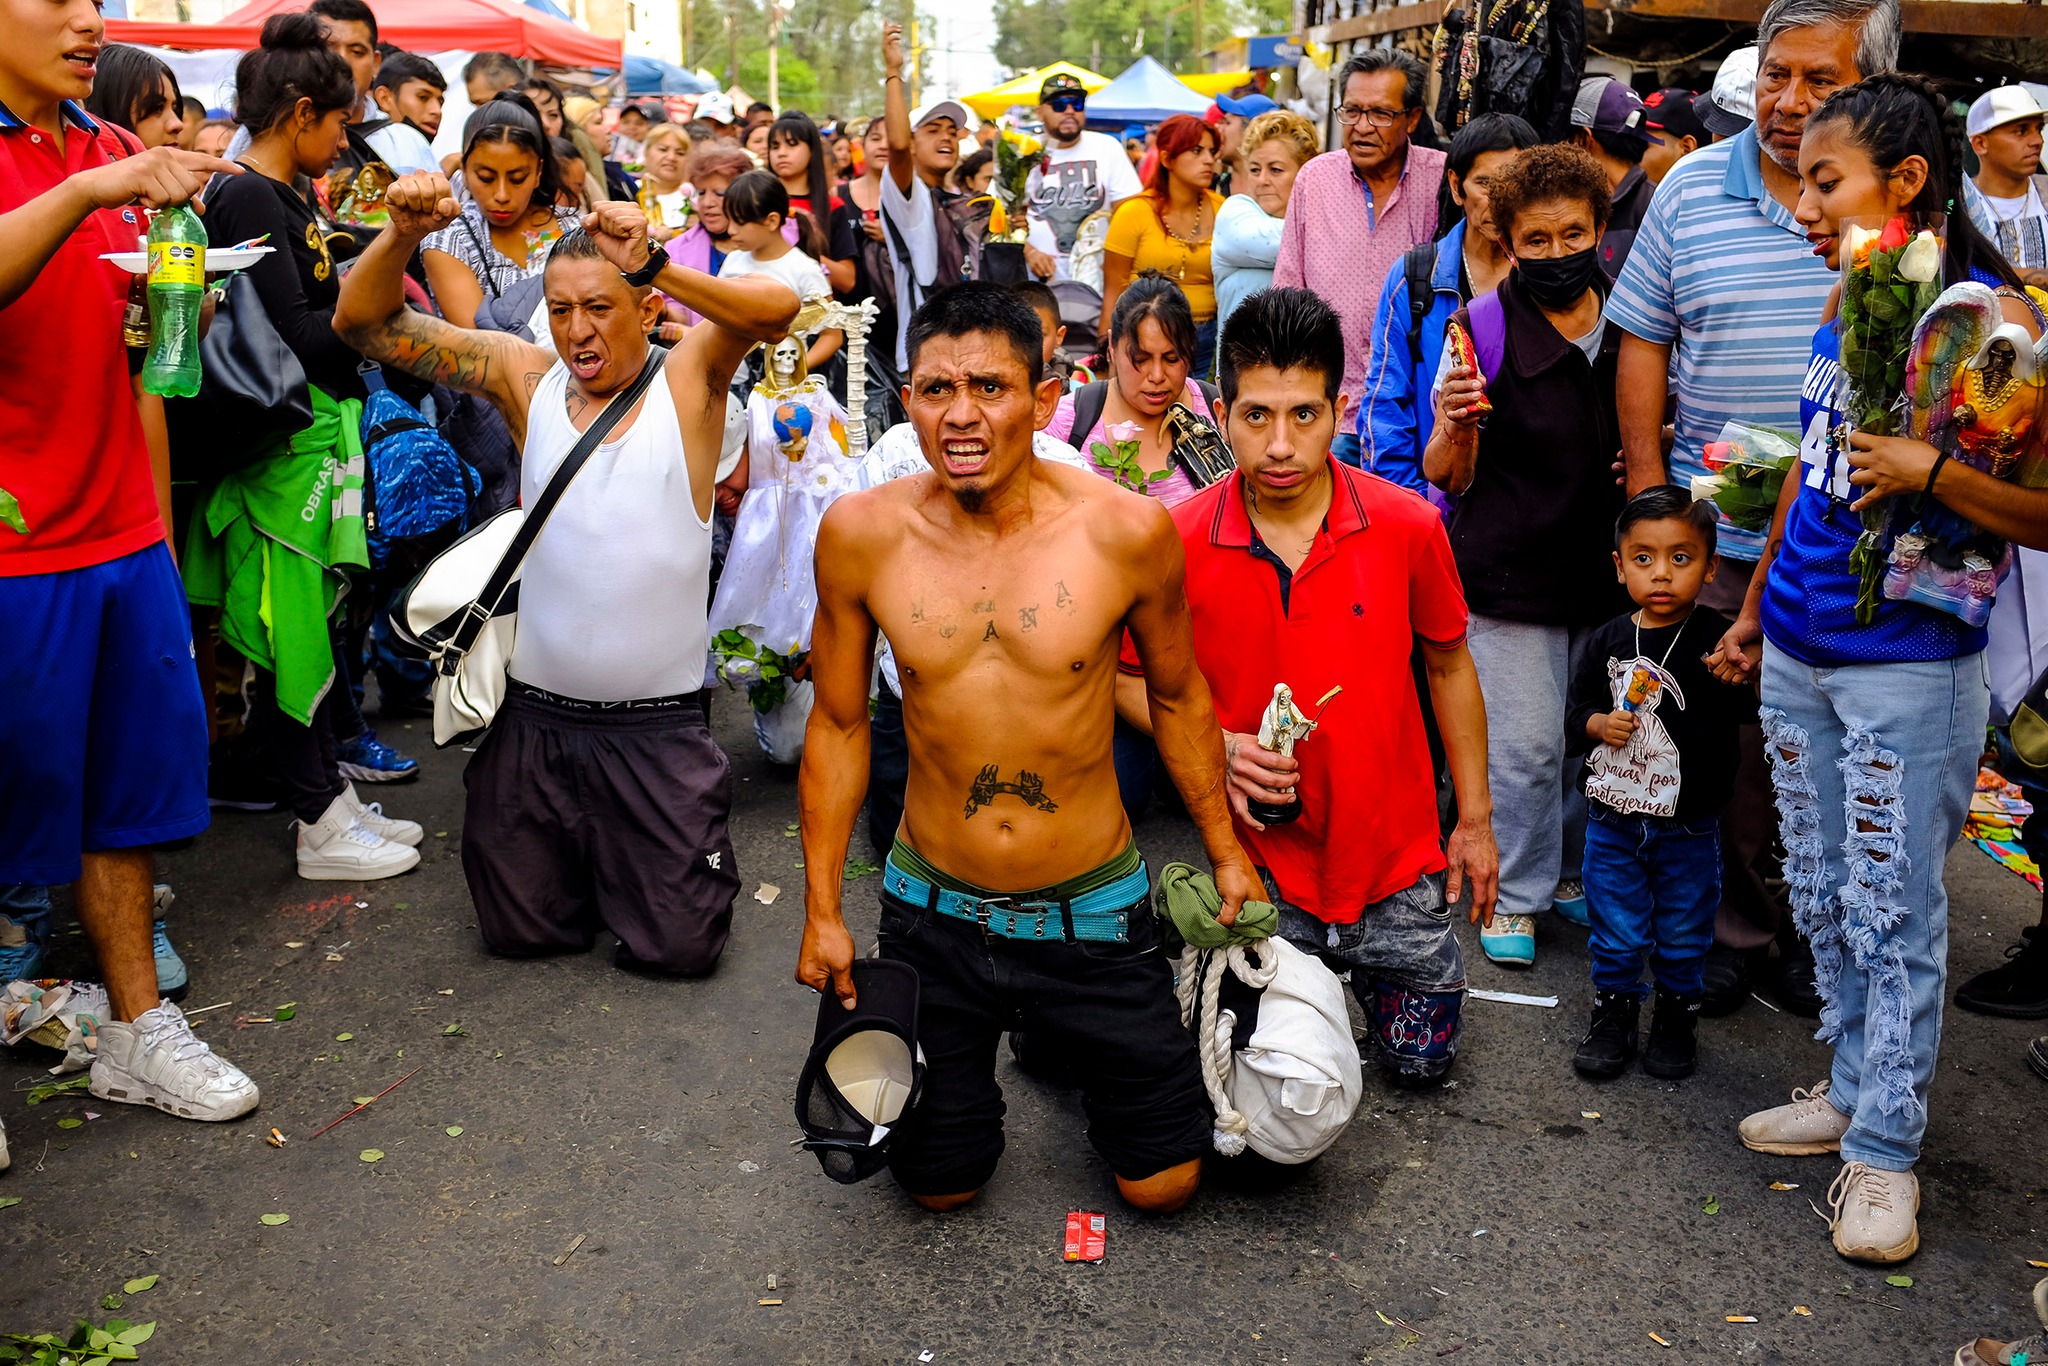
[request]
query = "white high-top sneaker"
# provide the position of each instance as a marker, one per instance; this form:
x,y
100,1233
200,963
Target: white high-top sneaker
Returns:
x,y
158,1061
340,848
371,814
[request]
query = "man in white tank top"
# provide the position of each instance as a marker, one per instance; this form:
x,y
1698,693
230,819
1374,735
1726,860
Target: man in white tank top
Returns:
x,y
598,799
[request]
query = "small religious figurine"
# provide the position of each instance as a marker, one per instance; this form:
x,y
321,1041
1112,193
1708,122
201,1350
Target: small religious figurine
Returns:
x,y
1281,727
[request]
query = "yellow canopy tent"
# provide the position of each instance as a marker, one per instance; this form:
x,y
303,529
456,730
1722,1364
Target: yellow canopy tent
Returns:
x,y
1024,89
1214,83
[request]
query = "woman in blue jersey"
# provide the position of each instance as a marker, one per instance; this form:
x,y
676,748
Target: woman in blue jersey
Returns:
x,y
1874,730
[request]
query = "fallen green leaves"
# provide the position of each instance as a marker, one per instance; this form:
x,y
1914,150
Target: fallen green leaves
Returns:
x,y
1902,1282
859,868
343,1038
71,1122
9,1201
371,1155
139,1284
116,1340
453,1131
48,1090
285,1011
454,1031
1712,1205
273,1220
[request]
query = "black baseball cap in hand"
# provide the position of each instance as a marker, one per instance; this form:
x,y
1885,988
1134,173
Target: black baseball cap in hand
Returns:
x,y
865,1071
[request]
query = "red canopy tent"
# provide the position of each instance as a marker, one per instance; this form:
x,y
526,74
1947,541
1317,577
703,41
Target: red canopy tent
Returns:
x,y
416,25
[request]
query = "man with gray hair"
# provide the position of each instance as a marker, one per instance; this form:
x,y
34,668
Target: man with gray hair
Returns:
x,y
1722,275
1357,208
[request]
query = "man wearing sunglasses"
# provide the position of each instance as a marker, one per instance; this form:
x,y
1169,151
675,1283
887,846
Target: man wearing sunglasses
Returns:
x,y
1082,173
1355,209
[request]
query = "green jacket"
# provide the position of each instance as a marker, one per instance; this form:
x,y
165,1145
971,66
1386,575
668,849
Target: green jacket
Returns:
x,y
271,545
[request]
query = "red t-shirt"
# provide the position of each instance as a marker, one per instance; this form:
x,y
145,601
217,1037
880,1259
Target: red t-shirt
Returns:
x,y
1380,573
71,447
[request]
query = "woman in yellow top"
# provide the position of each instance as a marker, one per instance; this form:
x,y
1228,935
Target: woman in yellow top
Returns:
x,y
1168,229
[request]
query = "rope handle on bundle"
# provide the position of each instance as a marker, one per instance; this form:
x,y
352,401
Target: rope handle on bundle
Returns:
x,y
1201,972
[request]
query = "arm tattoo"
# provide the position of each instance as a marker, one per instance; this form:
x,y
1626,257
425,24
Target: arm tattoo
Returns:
x,y
433,350
988,785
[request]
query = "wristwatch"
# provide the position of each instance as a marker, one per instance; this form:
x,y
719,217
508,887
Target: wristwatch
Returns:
x,y
643,277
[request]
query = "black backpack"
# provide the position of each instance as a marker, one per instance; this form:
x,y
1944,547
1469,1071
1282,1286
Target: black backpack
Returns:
x,y
1418,266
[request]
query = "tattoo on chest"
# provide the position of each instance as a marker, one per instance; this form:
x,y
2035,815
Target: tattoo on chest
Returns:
x,y
917,614
1027,618
990,633
988,785
1064,597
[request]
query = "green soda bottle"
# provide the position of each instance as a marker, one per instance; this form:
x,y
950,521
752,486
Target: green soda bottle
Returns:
x,y
177,280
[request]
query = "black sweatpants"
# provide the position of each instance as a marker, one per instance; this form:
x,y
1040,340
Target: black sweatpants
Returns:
x,y
581,817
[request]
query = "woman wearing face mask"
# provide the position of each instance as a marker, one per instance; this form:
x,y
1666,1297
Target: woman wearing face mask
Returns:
x,y
138,92
1873,728
1533,530
1396,417
1276,145
512,215
294,97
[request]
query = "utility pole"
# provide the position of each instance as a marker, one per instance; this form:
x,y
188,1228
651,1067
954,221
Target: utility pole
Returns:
x,y
915,64
1197,50
777,12
732,52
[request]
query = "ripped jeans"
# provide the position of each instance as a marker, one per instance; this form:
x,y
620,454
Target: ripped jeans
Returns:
x,y
1874,765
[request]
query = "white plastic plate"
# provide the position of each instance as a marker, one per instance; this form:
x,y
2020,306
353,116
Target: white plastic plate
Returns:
x,y
224,259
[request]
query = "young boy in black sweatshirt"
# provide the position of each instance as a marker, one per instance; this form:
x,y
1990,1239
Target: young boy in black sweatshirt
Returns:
x,y
1662,731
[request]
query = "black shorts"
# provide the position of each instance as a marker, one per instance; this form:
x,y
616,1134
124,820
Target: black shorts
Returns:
x,y
579,818
1105,1012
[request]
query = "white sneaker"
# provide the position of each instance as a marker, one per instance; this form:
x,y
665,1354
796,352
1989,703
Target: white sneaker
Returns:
x,y
1875,1214
1809,1126
158,1061
340,848
371,814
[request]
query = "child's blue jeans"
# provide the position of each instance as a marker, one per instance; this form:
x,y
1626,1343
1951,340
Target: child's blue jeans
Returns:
x,y
1652,885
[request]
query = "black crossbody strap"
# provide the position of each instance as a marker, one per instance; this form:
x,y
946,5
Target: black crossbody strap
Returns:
x,y
486,603
483,254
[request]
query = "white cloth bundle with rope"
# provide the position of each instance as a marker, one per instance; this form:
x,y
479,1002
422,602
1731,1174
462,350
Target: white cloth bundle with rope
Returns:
x,y
1293,1088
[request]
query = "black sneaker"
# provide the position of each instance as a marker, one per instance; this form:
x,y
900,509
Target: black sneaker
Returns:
x,y
1796,989
2037,1057
1610,1045
1728,977
241,777
1673,1049
2018,988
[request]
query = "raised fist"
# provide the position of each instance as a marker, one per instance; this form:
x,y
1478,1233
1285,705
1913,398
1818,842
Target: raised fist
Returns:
x,y
620,231
421,203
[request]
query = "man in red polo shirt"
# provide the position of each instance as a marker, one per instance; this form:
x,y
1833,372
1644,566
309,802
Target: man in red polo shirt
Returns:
x,y
1302,570
102,725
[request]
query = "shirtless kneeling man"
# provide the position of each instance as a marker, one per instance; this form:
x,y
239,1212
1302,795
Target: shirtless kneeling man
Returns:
x,y
1004,584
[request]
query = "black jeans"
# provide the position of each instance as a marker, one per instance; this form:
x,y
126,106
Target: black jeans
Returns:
x,y
1106,1011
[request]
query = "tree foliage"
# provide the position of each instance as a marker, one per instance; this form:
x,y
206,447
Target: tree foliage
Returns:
x,y
1031,33
831,50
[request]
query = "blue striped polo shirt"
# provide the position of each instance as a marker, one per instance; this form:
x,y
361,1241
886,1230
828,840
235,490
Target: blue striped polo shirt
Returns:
x,y
1723,270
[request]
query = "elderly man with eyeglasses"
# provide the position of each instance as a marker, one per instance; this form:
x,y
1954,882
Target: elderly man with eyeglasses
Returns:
x,y
1357,208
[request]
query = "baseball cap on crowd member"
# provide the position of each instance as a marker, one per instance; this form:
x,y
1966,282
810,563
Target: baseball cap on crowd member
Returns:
x,y
1996,108
865,1070
951,109
1670,111
714,108
1730,106
1605,105
1246,106
1061,83
1133,132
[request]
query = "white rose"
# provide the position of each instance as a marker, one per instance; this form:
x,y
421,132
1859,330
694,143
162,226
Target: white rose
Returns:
x,y
1853,240
739,669
1705,486
1921,261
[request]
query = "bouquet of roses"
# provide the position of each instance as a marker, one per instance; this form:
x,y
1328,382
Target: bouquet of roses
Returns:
x,y
1748,465
1119,458
1891,274
1016,156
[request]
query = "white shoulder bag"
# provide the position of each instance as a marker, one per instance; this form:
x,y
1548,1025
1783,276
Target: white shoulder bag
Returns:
x,y
460,611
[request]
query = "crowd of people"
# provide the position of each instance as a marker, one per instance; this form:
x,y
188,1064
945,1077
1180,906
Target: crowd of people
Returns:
x,y
1036,521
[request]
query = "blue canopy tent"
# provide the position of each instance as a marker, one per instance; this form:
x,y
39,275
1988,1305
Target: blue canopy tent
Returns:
x,y
652,76
549,8
1145,93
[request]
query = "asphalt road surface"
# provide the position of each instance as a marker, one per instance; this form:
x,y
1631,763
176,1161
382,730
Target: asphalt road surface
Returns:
x,y
1521,1214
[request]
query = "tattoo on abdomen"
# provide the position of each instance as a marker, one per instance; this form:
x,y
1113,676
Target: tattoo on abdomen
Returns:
x,y
988,785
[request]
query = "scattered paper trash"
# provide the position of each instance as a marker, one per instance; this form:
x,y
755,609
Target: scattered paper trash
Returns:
x,y
1802,1311
1740,1318
1478,1233
750,1167
570,1250
2042,1265
295,943
926,1356
766,893
1086,1235
1589,1114
1784,1185
334,958
59,1014
767,1304
276,1138
1659,1341
1512,998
